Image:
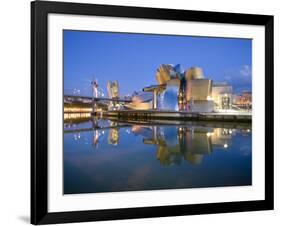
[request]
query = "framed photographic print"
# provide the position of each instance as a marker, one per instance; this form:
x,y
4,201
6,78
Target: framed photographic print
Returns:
x,y
145,112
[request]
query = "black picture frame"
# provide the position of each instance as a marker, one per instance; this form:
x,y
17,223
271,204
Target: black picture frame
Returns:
x,y
39,112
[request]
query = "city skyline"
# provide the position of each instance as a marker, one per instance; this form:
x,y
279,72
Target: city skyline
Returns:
x,y
132,59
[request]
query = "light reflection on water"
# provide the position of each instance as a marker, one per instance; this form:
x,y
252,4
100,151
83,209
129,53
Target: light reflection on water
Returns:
x,y
108,156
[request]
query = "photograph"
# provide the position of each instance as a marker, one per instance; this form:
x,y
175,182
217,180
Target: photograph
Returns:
x,y
144,111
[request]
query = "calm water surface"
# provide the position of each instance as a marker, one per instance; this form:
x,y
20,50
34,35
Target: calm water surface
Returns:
x,y
106,156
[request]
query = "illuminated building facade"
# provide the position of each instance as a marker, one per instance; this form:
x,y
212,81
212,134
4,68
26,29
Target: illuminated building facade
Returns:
x,y
244,100
198,89
184,90
113,89
179,90
222,95
198,94
113,93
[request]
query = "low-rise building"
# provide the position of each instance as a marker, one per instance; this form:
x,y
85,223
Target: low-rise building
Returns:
x,y
244,100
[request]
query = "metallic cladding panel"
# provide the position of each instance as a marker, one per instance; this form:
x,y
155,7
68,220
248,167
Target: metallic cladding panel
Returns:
x,y
198,89
169,98
194,73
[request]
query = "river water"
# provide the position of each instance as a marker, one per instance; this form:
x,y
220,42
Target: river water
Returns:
x,y
111,156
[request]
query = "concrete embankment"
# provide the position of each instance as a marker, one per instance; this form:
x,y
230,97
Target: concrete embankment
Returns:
x,y
177,115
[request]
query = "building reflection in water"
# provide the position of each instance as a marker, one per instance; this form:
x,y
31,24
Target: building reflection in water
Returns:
x,y
222,138
174,144
98,131
182,143
177,144
113,134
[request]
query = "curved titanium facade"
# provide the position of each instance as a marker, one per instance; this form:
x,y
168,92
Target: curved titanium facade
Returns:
x,y
169,98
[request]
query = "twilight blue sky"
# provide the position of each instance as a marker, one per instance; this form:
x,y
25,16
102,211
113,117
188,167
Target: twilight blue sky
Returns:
x,y
132,59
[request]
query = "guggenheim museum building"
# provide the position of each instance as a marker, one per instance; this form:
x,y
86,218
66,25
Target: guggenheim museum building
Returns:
x,y
183,90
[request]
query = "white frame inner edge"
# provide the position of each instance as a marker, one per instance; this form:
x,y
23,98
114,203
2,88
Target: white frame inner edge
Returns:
x,y
58,202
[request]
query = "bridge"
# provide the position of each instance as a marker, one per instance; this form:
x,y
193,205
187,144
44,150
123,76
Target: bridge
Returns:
x,y
87,99
112,99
